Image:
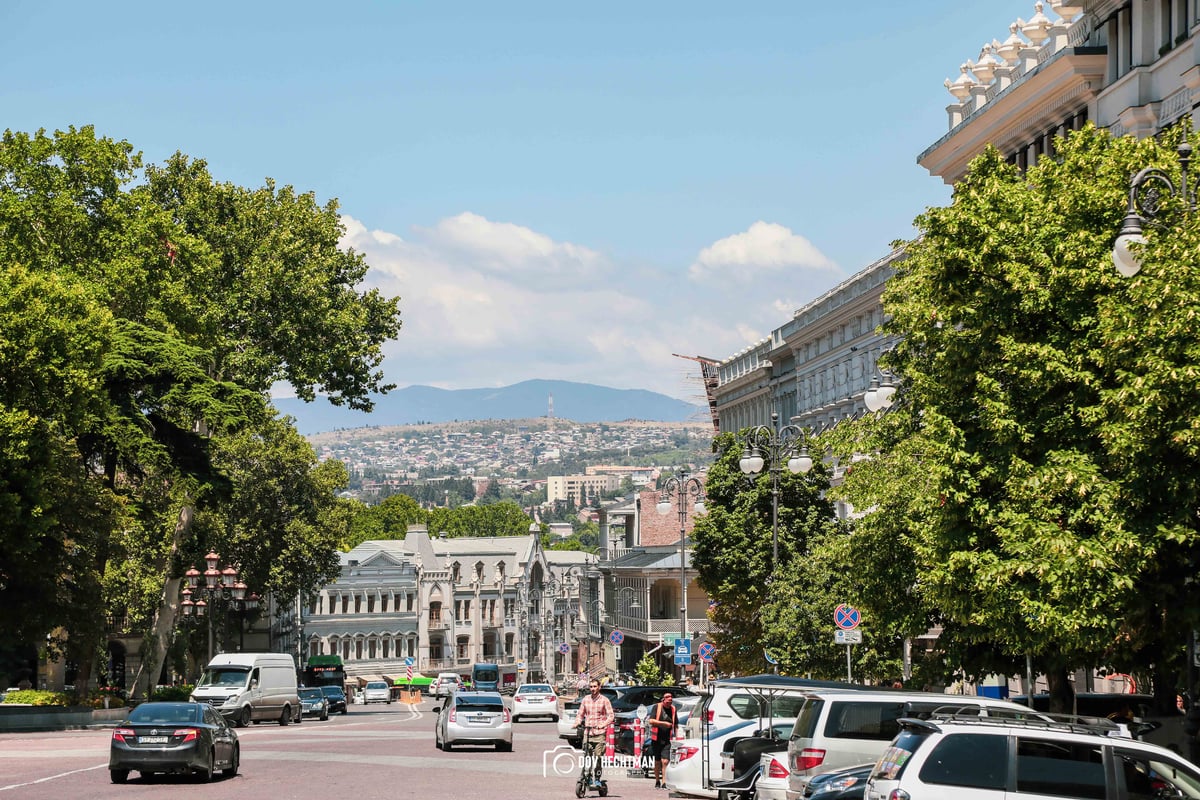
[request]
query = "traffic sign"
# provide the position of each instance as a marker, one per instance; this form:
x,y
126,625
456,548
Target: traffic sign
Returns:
x,y
846,617
564,648
616,637
683,651
707,651
408,662
847,637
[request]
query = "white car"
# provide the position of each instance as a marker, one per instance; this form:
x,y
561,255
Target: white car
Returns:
x,y
445,684
535,700
686,770
377,692
567,714
989,758
772,780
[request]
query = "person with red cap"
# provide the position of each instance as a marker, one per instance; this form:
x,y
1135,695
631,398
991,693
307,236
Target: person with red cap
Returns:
x,y
664,721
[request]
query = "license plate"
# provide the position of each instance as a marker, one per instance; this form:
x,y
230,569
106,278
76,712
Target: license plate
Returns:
x,y
482,720
152,739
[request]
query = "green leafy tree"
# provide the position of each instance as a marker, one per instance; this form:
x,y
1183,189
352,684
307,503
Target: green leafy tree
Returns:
x,y
733,545
648,673
1050,479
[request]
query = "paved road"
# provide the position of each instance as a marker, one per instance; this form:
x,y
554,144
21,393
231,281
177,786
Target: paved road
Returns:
x,y
383,752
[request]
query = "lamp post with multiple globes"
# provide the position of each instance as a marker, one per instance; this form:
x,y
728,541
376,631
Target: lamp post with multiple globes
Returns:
x,y
219,585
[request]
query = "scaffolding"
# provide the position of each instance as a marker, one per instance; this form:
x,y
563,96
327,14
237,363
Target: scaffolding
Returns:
x,y
708,377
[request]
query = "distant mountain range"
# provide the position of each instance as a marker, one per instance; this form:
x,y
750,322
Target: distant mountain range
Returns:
x,y
580,402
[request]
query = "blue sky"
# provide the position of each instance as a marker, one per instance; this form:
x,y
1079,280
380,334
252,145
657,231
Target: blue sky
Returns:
x,y
556,190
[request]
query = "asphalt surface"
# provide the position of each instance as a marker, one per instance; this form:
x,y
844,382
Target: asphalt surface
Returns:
x,y
378,751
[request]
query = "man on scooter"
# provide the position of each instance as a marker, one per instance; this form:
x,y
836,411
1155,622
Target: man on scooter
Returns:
x,y
595,718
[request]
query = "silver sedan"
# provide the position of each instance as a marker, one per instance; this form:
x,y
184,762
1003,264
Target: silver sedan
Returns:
x,y
479,718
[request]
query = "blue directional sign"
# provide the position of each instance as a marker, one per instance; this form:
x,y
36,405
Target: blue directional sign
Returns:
x,y
846,617
683,651
616,637
408,662
707,651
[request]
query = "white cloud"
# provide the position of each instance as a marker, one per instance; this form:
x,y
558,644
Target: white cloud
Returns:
x,y
487,303
765,247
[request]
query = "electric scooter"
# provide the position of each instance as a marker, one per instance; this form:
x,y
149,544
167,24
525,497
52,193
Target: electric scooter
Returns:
x,y
588,775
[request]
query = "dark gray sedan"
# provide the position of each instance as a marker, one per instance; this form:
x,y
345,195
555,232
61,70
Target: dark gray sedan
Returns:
x,y
176,738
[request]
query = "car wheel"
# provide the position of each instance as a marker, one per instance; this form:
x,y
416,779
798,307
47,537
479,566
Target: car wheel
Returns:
x,y
504,747
555,718
446,746
345,711
206,772
234,763
243,718
299,718
324,714
118,775
285,716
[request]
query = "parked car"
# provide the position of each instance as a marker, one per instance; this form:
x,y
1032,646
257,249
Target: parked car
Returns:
x,y
473,718
535,700
772,777
377,692
445,684
740,753
843,784
985,758
686,771
568,712
173,737
313,703
837,729
337,699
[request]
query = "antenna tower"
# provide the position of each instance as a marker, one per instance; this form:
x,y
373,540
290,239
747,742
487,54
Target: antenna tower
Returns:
x,y
550,411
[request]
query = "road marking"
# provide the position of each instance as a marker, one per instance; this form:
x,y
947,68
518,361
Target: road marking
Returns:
x,y
51,777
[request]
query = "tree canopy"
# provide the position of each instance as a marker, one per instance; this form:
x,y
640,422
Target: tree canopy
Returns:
x,y
145,314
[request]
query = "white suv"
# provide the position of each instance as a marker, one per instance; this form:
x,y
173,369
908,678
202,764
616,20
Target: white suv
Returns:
x,y
983,758
377,692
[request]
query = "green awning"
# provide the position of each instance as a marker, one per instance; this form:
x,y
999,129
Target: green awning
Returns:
x,y
417,680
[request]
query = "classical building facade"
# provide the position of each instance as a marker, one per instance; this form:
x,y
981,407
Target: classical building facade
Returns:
x,y
1132,66
447,603
814,369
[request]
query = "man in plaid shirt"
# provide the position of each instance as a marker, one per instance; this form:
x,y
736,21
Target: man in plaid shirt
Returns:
x,y
595,718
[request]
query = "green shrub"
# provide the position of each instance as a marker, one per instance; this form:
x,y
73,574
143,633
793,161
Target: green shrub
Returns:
x,y
172,693
37,697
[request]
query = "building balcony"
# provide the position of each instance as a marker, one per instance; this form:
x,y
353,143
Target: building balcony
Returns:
x,y
439,624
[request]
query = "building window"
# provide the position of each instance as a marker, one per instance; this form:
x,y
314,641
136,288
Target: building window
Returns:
x,y
409,598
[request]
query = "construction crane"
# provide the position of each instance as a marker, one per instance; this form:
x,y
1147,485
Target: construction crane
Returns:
x,y
708,376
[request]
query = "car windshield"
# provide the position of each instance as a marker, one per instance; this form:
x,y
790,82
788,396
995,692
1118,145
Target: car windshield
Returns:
x,y
224,676
164,713
376,685
333,691
535,688
311,694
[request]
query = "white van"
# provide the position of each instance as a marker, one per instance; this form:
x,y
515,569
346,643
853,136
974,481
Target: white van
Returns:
x,y
730,701
838,729
247,687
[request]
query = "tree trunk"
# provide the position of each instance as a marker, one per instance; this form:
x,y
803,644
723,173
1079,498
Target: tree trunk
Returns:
x,y
154,647
1062,693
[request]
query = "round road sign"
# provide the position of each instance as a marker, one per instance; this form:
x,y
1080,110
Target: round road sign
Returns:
x,y
616,637
707,651
846,617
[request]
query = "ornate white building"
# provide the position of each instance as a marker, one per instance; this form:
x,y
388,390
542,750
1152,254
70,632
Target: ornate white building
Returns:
x,y
448,603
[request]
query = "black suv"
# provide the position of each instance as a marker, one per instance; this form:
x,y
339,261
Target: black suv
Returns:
x,y
336,697
625,701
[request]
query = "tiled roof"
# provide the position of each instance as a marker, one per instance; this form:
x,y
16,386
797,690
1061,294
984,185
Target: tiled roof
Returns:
x,y
663,529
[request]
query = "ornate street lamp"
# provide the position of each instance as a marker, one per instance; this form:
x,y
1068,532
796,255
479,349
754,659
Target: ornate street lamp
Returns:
x,y
676,490
1147,189
219,584
772,447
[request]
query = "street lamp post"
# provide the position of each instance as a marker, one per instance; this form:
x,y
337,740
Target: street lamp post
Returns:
x,y
220,584
1146,191
676,490
772,446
